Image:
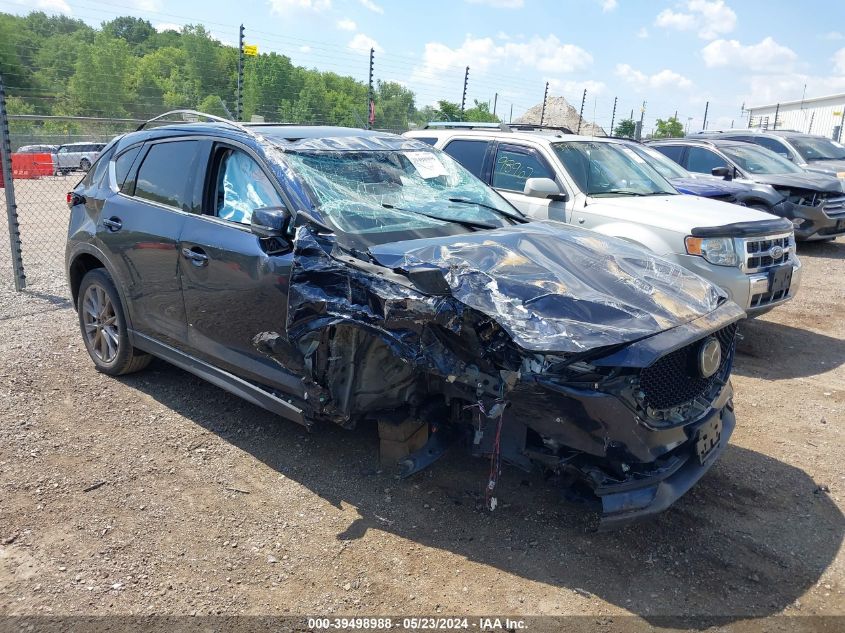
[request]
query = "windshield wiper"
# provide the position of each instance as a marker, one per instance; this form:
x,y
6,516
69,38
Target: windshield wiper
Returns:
x,y
628,192
470,224
490,207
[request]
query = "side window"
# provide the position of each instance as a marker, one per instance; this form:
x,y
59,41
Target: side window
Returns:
x,y
241,187
772,144
671,151
514,166
62,150
95,175
702,161
165,174
123,164
470,154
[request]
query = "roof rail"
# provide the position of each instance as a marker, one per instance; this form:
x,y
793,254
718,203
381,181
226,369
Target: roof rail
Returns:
x,y
538,127
468,125
193,113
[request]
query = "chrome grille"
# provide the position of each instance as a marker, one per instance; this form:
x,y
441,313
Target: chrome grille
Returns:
x,y
764,252
835,207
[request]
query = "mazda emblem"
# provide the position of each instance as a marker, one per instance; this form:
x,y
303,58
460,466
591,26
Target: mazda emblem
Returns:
x,y
709,357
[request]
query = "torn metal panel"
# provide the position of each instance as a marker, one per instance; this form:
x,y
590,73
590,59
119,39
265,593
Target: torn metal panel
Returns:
x,y
560,291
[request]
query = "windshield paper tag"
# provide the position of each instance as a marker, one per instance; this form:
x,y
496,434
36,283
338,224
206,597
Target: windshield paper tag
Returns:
x,y
427,164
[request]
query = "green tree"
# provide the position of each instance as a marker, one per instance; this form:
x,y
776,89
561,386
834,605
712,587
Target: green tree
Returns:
x,y
671,128
480,113
394,105
134,31
99,86
626,128
213,104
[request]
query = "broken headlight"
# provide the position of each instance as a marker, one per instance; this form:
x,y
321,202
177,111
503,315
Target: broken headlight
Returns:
x,y
716,250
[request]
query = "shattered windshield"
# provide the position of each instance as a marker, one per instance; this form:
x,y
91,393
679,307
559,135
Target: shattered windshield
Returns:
x,y
817,148
758,160
610,170
393,190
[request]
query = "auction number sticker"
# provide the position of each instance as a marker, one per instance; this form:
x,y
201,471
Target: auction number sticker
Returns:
x,y
382,624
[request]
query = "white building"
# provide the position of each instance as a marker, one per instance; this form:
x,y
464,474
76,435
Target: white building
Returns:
x,y
822,115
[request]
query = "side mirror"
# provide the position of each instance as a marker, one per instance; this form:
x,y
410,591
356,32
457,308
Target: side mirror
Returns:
x,y
723,172
270,221
543,188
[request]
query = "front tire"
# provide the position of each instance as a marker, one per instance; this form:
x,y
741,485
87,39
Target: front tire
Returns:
x,y
103,326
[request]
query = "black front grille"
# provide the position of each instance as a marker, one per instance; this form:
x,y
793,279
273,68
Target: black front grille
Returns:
x,y
759,255
674,379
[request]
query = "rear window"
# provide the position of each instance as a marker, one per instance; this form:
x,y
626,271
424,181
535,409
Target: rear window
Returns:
x,y
470,154
165,174
96,175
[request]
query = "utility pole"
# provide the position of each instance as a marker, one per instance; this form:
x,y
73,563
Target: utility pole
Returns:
x,y
775,124
510,118
495,100
464,97
613,116
640,127
581,114
543,111
239,100
842,125
371,104
812,118
706,108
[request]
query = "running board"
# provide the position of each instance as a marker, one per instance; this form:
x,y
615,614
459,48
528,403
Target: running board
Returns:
x,y
220,378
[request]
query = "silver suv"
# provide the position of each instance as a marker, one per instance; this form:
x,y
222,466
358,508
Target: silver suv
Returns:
x,y
602,184
75,156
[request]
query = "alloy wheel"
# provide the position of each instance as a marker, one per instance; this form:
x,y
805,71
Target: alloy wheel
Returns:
x,y
100,322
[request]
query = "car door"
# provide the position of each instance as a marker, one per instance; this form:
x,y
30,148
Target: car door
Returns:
x,y
139,230
235,286
513,165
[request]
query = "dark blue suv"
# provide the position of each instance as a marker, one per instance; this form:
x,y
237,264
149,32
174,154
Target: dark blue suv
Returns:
x,y
338,275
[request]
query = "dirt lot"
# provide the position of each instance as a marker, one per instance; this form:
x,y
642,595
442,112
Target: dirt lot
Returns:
x,y
159,493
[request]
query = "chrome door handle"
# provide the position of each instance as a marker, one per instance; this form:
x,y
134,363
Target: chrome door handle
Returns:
x,y
196,258
113,224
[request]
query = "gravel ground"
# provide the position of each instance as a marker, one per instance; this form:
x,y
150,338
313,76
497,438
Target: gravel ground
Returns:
x,y
159,493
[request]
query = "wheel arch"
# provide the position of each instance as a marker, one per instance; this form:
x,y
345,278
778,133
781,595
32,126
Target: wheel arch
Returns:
x,y
89,258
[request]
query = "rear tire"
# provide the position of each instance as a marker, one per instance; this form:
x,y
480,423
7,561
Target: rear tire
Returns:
x,y
103,326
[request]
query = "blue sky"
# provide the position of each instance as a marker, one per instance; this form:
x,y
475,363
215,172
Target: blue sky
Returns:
x,y
676,56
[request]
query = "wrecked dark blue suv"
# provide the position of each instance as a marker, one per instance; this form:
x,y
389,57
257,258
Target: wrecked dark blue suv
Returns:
x,y
338,275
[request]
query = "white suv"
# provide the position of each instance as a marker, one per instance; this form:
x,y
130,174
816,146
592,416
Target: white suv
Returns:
x,y
77,156
602,184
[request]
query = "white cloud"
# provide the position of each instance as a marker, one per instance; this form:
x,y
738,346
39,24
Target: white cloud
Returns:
x,y
576,88
663,79
53,6
609,5
346,25
372,6
147,5
710,18
833,36
363,43
500,4
546,54
764,89
642,33
839,61
161,27
305,49
765,56
281,7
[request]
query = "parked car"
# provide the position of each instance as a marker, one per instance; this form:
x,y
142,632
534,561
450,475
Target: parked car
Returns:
x,y
338,275
77,156
816,201
812,152
754,195
604,185
38,149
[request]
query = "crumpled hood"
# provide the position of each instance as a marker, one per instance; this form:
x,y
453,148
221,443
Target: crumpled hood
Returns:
x,y
816,181
555,288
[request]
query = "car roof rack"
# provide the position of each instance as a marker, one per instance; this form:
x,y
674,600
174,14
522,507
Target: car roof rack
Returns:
x,y
468,125
196,114
528,127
